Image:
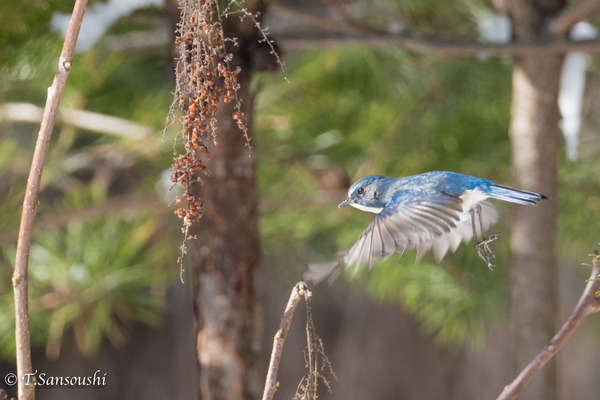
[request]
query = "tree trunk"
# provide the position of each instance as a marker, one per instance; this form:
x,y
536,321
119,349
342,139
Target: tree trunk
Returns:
x,y
225,255
226,251
534,133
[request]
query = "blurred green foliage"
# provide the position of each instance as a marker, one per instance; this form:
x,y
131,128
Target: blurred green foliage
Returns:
x,y
364,110
377,111
91,278
24,21
387,112
95,279
453,301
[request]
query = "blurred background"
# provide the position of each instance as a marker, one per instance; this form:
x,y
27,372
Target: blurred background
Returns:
x,y
105,292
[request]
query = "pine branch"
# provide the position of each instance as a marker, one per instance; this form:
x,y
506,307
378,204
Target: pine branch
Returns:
x,y
589,303
19,279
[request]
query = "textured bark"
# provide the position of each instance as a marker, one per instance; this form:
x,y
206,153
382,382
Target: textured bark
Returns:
x,y
534,134
226,252
225,256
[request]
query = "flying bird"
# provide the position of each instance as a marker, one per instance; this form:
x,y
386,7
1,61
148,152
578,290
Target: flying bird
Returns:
x,y
435,210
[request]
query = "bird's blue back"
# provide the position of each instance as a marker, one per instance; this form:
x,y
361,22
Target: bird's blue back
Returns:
x,y
446,182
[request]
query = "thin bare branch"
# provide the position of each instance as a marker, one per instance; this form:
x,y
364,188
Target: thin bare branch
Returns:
x,y
444,48
311,20
584,10
82,119
146,203
588,304
315,354
338,8
19,279
341,33
300,290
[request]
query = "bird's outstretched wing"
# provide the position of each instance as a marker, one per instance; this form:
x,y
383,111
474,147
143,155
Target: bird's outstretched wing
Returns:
x,y
463,233
405,223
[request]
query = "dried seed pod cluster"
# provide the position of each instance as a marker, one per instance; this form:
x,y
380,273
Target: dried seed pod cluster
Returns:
x,y
204,78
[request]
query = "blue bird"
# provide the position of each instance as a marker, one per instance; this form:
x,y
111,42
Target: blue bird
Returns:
x,y
435,210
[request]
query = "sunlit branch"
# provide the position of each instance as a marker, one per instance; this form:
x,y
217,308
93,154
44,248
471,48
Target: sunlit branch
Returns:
x,y
299,291
589,303
81,119
19,279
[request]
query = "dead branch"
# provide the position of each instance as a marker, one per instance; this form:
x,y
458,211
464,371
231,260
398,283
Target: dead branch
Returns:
x,y
444,48
310,20
589,303
19,279
145,202
300,290
341,33
315,352
90,121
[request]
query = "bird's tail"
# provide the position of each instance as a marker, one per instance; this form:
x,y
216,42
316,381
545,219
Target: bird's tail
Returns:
x,y
320,271
515,195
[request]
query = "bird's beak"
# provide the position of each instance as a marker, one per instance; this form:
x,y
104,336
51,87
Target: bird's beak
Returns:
x,y
344,203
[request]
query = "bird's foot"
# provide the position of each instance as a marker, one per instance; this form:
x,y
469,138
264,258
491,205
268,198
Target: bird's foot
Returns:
x,y
483,249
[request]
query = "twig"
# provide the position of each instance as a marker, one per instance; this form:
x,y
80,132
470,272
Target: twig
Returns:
x,y
588,304
348,20
19,278
264,33
300,290
310,20
313,374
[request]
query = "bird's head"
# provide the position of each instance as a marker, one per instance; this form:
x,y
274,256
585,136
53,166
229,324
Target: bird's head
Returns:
x,y
364,194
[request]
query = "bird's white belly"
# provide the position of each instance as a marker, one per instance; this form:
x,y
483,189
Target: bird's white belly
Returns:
x,y
375,210
470,199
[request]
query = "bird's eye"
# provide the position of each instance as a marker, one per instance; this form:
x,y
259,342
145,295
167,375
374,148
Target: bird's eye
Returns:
x,y
360,191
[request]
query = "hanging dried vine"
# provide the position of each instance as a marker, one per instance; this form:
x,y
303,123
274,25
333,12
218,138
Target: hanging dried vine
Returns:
x,y
204,78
